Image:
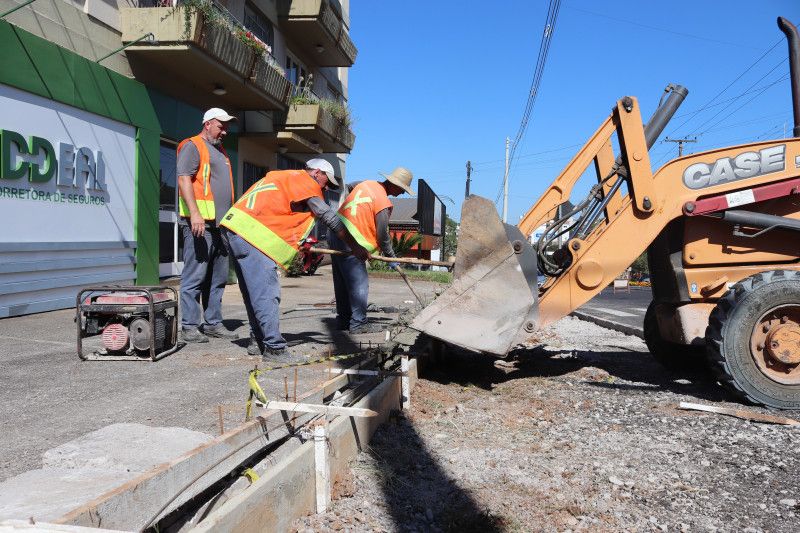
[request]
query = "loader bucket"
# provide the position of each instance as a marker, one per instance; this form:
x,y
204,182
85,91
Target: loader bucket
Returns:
x,y
492,302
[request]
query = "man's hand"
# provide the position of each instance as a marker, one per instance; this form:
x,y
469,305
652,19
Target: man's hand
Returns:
x,y
198,224
359,251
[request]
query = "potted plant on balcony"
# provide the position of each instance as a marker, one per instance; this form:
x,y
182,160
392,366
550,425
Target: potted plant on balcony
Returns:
x,y
267,74
218,35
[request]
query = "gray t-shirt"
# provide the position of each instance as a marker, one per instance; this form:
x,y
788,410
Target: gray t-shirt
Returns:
x,y
189,161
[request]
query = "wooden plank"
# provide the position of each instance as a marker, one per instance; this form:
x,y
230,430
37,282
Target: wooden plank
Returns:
x,y
296,407
322,481
357,372
739,413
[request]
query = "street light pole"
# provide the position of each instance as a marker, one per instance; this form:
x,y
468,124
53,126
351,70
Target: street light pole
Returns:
x,y
505,184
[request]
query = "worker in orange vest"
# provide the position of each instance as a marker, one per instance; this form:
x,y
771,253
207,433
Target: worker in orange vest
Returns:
x,y
365,212
205,183
264,229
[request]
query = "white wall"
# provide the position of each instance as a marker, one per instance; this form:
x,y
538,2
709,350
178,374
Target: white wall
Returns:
x,y
58,235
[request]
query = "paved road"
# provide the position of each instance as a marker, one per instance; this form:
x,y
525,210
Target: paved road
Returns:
x,y
622,307
48,396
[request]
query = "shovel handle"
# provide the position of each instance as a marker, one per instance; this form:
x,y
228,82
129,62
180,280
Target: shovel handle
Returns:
x,y
409,260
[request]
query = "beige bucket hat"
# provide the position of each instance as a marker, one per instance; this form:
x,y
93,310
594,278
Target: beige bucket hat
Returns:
x,y
401,177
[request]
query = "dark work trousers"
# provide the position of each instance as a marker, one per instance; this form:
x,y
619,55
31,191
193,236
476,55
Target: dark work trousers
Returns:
x,y
205,272
350,285
261,290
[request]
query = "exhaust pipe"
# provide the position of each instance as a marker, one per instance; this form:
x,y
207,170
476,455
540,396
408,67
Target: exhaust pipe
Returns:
x,y
664,113
794,68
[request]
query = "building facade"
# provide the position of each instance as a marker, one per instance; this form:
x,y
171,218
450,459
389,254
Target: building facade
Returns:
x,y
96,94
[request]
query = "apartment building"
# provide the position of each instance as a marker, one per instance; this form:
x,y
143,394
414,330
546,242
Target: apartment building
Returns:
x,y
96,94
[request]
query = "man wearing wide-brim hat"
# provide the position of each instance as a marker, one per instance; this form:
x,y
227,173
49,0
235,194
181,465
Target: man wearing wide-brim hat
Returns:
x,y
365,212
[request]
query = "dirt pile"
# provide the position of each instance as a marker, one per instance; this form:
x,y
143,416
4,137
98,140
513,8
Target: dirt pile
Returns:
x,y
579,433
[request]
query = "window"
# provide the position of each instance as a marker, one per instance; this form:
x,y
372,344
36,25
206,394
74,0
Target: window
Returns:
x,y
295,72
287,163
250,174
256,22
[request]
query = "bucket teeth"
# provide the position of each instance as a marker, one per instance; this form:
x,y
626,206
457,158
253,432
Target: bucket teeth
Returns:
x,y
492,302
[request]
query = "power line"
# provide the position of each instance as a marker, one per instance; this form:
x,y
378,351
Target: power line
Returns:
x,y
541,60
656,28
745,71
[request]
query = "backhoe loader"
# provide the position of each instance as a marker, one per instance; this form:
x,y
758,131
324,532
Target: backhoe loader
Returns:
x,y
722,233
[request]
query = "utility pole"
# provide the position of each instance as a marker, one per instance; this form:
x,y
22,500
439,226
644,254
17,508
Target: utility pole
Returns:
x,y
469,171
680,143
505,184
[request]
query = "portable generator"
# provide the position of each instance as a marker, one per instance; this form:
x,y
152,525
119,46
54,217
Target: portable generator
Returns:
x,y
133,323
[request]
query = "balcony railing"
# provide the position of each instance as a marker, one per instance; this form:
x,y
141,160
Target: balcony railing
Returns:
x,y
318,29
244,75
309,116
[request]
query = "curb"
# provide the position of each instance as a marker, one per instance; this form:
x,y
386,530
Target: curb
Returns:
x,y
609,324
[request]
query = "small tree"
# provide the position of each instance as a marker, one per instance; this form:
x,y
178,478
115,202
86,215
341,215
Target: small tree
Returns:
x,y
450,238
402,244
639,267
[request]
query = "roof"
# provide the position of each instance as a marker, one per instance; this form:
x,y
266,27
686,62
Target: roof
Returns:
x,y
404,211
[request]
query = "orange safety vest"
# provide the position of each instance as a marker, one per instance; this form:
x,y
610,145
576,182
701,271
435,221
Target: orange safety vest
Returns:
x,y
201,182
263,216
358,211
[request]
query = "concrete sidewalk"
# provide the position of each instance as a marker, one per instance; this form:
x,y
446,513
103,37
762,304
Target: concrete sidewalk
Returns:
x,y
49,396
636,331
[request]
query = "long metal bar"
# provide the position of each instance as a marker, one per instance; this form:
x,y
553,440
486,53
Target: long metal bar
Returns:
x,y
409,260
794,68
124,46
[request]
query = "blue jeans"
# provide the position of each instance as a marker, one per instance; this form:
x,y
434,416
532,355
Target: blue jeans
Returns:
x,y
205,273
350,285
261,290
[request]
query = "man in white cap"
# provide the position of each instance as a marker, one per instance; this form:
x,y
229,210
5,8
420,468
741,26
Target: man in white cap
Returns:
x,y
365,212
205,183
264,229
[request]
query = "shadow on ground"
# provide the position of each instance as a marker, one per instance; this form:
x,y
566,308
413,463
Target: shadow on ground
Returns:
x,y
419,495
639,368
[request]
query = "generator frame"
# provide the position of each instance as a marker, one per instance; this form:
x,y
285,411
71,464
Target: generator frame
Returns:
x,y
151,308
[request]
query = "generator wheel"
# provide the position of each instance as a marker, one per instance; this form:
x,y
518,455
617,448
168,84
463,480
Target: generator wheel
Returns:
x,y
670,355
753,339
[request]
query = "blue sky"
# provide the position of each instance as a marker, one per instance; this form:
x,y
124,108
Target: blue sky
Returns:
x,y
437,83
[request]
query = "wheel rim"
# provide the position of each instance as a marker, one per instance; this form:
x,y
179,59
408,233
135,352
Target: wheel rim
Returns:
x,y
775,344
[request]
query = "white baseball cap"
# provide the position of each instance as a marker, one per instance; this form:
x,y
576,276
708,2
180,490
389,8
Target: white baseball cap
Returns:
x,y
320,164
217,113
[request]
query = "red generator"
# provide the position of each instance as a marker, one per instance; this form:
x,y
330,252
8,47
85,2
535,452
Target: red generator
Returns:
x,y
126,323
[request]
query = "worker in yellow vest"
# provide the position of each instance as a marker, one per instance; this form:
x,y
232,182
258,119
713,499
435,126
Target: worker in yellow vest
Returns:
x,y
365,212
205,184
264,229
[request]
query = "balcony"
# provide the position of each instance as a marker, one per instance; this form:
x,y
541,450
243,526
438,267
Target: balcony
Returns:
x,y
200,62
314,123
317,29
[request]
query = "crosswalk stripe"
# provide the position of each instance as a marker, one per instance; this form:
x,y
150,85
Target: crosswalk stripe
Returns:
x,y
611,311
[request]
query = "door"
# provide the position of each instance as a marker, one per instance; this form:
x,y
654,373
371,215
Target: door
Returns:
x,y
170,245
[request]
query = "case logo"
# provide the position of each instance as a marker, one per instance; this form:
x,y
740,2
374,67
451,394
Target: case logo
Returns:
x,y
743,166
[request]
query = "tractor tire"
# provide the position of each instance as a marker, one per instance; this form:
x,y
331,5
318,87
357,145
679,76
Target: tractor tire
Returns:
x,y
753,339
671,355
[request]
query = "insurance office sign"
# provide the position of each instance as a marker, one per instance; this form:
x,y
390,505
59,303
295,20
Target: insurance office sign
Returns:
x,y
65,174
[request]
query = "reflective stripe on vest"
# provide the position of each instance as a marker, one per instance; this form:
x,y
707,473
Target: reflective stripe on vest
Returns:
x,y
357,235
263,238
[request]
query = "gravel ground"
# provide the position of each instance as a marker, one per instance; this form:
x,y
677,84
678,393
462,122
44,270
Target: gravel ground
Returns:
x,y
578,433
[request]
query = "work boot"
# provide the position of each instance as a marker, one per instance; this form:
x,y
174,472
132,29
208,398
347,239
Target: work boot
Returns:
x,y
193,335
368,327
219,332
280,356
253,348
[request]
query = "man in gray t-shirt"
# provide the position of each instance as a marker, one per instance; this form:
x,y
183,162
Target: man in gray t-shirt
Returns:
x,y
205,183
